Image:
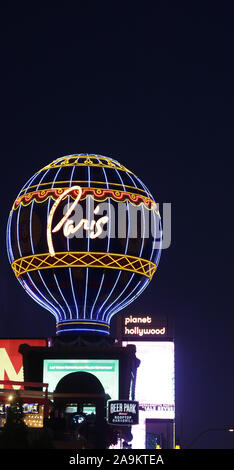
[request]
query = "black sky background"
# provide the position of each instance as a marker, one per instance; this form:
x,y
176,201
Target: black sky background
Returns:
x,y
152,86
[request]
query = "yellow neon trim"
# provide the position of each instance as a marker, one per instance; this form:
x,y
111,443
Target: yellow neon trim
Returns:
x,y
84,259
82,323
68,161
90,187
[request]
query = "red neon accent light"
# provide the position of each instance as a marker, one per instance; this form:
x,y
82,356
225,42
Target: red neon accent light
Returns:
x,y
98,194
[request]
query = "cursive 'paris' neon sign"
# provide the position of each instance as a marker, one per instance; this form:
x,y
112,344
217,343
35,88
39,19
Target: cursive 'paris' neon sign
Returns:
x,y
93,227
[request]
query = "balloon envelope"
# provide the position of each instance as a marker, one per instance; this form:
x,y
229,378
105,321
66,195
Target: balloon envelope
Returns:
x,y
84,240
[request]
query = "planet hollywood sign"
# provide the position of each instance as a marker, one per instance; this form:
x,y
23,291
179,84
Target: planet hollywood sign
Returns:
x,y
143,327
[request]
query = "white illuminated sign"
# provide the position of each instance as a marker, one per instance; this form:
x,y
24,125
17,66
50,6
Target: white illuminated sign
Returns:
x,y
123,412
155,389
155,378
142,326
94,227
136,331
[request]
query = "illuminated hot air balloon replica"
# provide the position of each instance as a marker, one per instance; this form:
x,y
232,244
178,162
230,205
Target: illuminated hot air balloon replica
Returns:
x,y
84,240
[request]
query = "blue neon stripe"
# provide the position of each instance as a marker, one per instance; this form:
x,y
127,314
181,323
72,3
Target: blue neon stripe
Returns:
x,y
160,247
61,293
28,184
68,248
126,247
124,304
154,215
143,186
37,299
88,246
83,329
85,320
32,247
108,248
10,252
28,275
55,277
8,239
133,275
147,190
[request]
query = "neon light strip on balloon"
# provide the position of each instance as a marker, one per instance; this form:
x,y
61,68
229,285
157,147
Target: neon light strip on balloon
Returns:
x,y
143,186
130,296
84,259
109,308
36,298
33,251
58,309
80,323
54,275
108,249
68,249
87,269
89,330
8,238
102,195
88,161
85,322
131,278
65,184
154,217
47,304
126,302
9,245
108,246
126,247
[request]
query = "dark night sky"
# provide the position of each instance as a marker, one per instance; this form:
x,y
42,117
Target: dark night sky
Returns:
x,y
151,86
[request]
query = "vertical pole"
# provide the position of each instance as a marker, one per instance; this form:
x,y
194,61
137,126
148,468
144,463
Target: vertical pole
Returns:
x,y
174,437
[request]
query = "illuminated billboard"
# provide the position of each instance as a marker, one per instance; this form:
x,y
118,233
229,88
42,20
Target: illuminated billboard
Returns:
x,y
105,370
155,388
11,361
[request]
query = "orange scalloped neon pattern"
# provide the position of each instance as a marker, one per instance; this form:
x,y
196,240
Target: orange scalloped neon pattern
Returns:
x,y
97,194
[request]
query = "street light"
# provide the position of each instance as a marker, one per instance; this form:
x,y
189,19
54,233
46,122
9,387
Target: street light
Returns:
x,y
206,431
